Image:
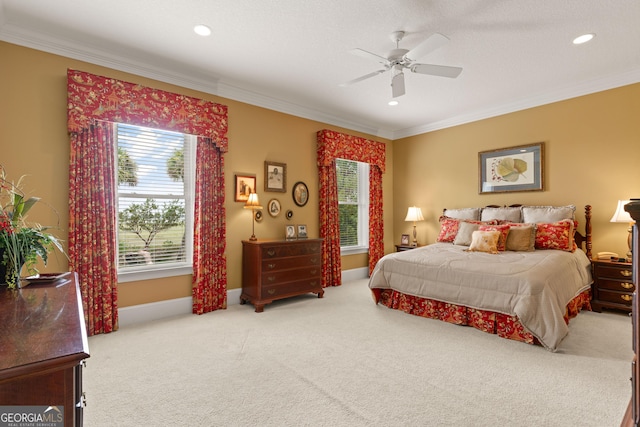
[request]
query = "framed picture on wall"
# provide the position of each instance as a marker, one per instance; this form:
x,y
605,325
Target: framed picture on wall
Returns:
x,y
300,193
510,169
275,176
245,185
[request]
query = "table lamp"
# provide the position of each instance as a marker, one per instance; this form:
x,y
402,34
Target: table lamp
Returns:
x,y
253,203
414,214
623,216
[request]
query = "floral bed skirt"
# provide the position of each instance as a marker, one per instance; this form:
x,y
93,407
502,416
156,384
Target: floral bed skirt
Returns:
x,y
503,325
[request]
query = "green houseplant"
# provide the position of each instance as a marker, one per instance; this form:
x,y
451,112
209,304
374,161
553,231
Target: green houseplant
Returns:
x,y
21,243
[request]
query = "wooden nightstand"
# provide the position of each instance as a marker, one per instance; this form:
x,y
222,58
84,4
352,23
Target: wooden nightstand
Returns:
x,y
612,285
400,248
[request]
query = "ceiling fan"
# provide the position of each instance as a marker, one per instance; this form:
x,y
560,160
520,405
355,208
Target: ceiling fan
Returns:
x,y
399,59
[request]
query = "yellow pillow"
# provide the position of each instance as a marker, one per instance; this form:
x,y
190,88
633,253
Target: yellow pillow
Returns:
x,y
484,241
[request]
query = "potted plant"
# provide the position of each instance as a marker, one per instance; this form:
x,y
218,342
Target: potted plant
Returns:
x,y
21,243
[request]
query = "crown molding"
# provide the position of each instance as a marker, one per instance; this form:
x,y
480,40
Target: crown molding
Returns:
x,y
560,94
71,49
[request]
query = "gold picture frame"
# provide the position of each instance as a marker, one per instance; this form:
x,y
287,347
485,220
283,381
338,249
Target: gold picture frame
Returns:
x,y
245,185
511,169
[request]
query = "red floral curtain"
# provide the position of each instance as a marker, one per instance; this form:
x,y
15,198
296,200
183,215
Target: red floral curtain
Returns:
x,y
93,98
333,145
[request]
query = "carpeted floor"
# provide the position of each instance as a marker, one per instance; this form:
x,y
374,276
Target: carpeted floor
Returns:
x,y
343,361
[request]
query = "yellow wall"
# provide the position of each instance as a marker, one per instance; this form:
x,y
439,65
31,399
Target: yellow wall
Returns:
x,y
592,154
34,141
592,148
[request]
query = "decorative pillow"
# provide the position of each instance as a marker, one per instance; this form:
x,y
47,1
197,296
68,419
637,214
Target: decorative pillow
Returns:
x,y
449,228
534,214
522,237
502,229
557,235
464,213
503,214
465,231
484,241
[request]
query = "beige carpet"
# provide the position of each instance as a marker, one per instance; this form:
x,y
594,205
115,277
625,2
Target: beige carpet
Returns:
x,y
343,361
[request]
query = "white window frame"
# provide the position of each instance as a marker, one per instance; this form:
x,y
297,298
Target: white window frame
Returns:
x,y
363,213
143,272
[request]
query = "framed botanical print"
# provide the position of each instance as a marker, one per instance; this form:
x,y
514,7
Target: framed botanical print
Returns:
x,y
510,169
245,185
275,176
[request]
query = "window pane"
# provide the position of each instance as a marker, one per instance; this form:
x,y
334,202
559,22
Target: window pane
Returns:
x,y
353,202
348,215
152,206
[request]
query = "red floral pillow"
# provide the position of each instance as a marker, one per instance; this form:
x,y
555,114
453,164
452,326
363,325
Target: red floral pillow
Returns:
x,y
557,235
504,232
449,228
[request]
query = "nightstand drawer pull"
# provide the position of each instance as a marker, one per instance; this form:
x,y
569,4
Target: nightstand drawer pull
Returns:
x,y
271,266
626,285
626,273
271,291
271,252
626,297
271,278
313,272
314,260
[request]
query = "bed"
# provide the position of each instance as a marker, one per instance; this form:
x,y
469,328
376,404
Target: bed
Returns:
x,y
524,288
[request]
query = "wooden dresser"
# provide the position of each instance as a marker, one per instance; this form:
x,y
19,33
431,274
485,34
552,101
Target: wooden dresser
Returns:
x,y
612,285
632,416
276,269
42,347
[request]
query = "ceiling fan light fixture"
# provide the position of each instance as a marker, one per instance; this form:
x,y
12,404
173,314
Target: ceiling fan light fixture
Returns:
x,y
202,30
583,38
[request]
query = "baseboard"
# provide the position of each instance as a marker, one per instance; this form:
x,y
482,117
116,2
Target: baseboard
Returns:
x,y
175,307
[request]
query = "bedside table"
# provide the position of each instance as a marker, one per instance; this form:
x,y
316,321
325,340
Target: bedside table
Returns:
x,y
400,248
612,285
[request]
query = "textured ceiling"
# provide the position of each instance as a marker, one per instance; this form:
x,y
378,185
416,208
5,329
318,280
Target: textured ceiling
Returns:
x,y
291,55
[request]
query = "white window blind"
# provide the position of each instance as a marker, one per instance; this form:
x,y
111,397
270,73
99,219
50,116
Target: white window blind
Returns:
x,y
155,198
353,203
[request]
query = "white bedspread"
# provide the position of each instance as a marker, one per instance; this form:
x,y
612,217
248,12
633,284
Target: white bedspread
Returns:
x,y
534,286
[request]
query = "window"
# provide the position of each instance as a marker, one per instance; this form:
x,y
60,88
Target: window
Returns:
x,y
353,205
155,173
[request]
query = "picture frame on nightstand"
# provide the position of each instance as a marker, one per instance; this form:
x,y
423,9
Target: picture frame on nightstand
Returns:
x,y
302,231
290,232
404,240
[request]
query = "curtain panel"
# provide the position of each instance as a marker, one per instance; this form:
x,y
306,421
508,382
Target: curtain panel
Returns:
x,y
93,99
331,146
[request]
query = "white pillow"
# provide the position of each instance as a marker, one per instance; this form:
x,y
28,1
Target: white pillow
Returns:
x,y
504,214
485,241
533,214
465,231
463,213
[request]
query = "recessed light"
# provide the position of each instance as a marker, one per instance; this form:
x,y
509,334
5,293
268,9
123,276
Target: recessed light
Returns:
x,y
393,103
202,30
583,38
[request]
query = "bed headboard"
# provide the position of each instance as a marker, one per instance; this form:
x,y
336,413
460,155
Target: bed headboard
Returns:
x,y
582,239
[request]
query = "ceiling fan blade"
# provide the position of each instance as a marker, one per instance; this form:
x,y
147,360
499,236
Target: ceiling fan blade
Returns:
x,y
437,70
433,42
397,85
370,56
361,78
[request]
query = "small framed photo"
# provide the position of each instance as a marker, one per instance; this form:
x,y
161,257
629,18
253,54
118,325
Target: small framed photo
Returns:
x,y
404,240
302,231
245,185
290,232
275,176
274,207
300,193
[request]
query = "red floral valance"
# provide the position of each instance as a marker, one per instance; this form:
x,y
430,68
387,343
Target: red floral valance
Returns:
x,y
332,145
92,97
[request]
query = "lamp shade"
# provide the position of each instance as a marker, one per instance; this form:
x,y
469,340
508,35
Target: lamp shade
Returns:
x,y
621,215
414,214
253,202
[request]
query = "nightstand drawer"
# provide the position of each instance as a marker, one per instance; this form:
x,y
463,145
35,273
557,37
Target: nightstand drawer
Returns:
x,y
291,288
616,285
613,271
615,297
273,277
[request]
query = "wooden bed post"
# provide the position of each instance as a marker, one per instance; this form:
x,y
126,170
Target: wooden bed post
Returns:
x,y
587,229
